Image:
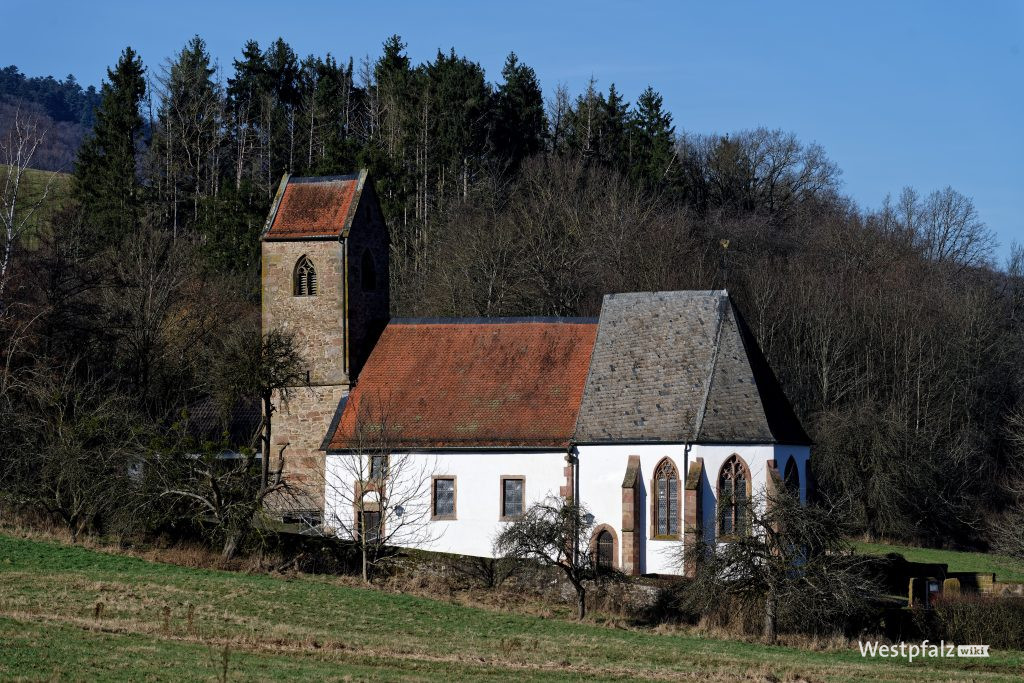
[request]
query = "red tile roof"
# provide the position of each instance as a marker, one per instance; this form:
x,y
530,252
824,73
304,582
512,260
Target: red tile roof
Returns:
x,y
313,207
505,383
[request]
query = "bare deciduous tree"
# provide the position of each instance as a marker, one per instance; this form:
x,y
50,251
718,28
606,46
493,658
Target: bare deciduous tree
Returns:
x,y
556,533
263,367
377,496
791,558
223,493
16,209
71,449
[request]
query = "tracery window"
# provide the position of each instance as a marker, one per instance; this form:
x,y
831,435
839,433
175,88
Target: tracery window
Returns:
x,y
304,278
792,477
666,503
733,495
605,547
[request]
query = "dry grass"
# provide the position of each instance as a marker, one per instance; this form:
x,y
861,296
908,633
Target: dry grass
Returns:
x,y
71,612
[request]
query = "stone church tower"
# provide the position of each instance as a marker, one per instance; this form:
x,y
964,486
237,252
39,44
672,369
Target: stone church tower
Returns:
x,y
325,280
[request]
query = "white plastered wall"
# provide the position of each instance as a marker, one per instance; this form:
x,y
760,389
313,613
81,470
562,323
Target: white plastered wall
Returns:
x,y
602,468
477,493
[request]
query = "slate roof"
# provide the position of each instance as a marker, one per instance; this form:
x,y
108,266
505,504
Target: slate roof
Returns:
x,y
314,207
512,383
681,367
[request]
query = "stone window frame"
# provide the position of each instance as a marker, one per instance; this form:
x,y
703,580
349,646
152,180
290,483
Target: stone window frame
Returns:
x,y
386,457
501,497
304,279
598,530
361,507
434,517
654,535
738,459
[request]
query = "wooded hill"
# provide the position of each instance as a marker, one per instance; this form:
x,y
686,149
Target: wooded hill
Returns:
x,y
894,332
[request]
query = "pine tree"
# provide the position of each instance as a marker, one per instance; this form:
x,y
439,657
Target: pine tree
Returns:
x,y
280,99
652,142
458,103
105,182
519,120
584,122
614,121
243,110
334,100
187,143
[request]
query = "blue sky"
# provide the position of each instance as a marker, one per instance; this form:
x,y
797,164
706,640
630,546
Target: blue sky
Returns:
x,y
926,94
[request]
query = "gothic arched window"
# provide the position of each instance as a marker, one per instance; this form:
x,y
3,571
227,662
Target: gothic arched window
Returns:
x,y
605,551
368,272
666,500
304,278
733,496
792,477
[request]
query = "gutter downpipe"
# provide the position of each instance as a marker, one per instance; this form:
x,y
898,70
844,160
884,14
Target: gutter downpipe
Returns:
x,y
573,460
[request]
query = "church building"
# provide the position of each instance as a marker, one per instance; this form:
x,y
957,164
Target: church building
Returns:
x,y
661,416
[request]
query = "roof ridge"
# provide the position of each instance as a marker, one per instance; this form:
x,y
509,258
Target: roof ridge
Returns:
x,y
699,421
325,178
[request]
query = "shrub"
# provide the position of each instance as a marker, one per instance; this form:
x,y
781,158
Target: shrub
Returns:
x,y
974,619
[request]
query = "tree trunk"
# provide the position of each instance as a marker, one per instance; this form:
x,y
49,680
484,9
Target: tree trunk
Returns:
x,y
581,602
231,545
366,567
770,616
268,411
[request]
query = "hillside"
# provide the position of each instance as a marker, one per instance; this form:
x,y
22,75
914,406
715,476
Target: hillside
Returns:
x,y
72,613
1004,567
34,184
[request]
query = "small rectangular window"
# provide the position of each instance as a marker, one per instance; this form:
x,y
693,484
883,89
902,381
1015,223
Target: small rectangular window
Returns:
x,y
378,466
444,498
512,496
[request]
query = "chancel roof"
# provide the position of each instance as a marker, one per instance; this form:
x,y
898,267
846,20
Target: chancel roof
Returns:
x,y
681,367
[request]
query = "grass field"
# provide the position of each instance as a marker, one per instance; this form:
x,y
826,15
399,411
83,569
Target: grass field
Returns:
x,y
34,184
72,613
1005,568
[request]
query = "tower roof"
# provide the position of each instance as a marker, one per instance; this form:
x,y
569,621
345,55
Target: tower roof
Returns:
x,y
314,207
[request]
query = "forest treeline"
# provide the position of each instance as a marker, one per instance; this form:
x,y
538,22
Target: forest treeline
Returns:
x,y
65,106
893,330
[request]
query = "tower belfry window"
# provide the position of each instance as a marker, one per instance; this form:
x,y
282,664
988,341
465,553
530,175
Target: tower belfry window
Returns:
x,y
304,279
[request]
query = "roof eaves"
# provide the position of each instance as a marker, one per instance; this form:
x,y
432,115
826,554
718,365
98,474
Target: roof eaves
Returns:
x,y
325,444
491,321
460,449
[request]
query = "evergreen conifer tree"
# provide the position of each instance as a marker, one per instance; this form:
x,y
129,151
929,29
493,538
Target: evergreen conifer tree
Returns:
x,y
105,182
519,120
652,142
